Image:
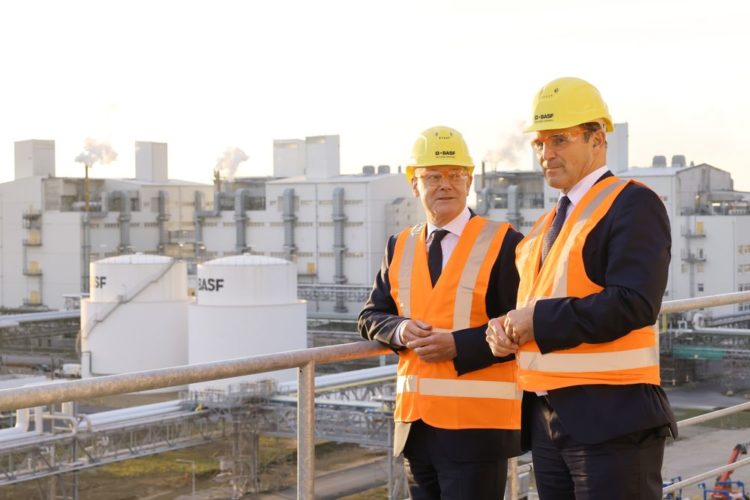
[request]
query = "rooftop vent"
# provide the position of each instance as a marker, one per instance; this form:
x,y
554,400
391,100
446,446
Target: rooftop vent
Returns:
x,y
659,161
384,169
368,170
678,161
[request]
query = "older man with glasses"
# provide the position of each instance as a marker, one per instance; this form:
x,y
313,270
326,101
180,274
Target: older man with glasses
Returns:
x,y
593,273
458,408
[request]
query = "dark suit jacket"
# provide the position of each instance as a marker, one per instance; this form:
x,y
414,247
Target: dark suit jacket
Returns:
x,y
628,254
379,320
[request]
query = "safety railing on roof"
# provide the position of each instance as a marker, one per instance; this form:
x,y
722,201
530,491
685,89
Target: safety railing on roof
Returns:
x,y
305,360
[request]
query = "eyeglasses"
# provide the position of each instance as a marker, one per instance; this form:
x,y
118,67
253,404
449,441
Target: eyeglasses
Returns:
x,y
434,179
555,142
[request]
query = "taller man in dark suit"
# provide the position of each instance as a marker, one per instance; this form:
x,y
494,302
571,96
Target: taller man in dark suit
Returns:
x,y
593,272
458,409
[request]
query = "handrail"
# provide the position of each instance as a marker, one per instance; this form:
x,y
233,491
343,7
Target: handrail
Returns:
x,y
705,475
27,397
305,359
723,299
699,419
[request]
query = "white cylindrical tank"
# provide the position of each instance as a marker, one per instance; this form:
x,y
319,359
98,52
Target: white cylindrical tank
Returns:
x,y
245,305
136,316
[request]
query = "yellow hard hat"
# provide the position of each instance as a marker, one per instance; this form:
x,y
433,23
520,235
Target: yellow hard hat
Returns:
x,y
567,102
438,146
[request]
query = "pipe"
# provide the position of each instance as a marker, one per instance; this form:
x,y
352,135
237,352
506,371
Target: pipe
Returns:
x,y
199,215
514,214
38,420
483,205
738,332
339,249
73,421
53,361
162,219
86,243
240,220
289,219
124,220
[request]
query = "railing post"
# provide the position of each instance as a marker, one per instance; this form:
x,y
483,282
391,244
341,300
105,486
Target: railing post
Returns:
x,y
306,432
513,478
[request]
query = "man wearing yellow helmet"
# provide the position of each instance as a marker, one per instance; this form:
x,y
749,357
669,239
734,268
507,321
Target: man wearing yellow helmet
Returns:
x,y
458,408
593,273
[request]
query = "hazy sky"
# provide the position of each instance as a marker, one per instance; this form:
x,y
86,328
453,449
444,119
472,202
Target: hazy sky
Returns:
x,y
207,76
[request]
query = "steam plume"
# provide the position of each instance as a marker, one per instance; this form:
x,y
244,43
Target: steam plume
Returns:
x,y
96,152
508,149
227,165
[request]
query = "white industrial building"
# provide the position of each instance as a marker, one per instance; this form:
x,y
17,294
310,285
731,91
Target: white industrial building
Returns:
x,y
710,221
334,227
48,238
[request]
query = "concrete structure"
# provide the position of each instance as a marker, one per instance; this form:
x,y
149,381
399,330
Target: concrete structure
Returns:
x,y
136,318
245,305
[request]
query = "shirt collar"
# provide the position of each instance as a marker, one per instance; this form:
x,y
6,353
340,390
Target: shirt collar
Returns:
x,y
456,226
582,187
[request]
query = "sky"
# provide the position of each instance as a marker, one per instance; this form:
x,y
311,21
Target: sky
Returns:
x,y
210,76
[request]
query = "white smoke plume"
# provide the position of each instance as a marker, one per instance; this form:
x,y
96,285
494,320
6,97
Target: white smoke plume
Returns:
x,y
507,149
96,152
227,165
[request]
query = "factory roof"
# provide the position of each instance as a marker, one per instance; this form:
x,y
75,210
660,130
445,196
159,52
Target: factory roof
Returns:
x,y
246,260
136,258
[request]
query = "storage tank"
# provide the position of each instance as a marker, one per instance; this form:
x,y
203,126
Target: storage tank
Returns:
x,y
136,316
245,305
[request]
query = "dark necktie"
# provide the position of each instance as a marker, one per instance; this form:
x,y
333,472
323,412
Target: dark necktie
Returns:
x,y
557,224
435,255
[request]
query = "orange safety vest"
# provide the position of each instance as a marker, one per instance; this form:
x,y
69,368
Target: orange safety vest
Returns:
x,y
631,359
483,399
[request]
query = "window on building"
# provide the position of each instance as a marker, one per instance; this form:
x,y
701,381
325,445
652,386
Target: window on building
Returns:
x,y
700,287
699,267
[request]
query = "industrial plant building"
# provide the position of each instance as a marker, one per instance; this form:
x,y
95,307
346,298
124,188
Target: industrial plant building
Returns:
x,y
333,227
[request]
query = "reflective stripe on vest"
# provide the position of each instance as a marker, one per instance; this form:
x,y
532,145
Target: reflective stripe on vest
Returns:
x,y
633,358
589,362
457,388
432,391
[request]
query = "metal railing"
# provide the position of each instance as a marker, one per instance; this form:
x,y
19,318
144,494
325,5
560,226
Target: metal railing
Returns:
x,y
305,360
706,417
